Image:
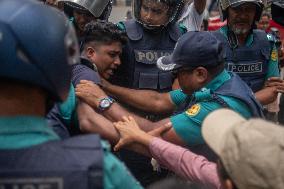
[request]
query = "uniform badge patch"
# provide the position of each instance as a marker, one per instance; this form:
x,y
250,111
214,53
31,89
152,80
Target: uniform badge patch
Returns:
x,y
194,110
274,55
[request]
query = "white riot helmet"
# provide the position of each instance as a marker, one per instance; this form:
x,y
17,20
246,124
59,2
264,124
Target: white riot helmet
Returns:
x,y
98,8
225,4
175,9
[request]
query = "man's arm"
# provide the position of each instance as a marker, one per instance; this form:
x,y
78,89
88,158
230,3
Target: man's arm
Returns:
x,y
92,122
200,5
92,94
116,112
145,100
269,93
274,84
180,160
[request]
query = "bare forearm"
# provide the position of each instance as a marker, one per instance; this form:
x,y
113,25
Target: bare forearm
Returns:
x,y
92,122
200,5
117,112
146,100
265,97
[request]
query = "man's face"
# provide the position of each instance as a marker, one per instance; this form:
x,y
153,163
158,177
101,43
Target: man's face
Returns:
x,y
263,23
107,58
82,19
154,13
241,18
187,80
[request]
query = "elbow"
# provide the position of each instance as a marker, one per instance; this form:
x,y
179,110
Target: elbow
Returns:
x,y
85,126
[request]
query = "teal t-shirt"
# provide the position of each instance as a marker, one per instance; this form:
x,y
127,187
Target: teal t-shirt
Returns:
x,y
273,67
68,109
187,124
24,132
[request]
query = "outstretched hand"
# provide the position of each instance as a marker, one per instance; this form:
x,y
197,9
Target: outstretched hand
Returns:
x,y
130,132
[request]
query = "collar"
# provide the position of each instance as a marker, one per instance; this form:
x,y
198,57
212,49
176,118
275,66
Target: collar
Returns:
x,y
24,131
213,85
249,40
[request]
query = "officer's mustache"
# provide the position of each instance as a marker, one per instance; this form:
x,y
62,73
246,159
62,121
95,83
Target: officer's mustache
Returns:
x,y
241,22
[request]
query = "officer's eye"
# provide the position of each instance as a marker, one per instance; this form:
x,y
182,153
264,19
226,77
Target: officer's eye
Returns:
x,y
112,54
157,11
145,8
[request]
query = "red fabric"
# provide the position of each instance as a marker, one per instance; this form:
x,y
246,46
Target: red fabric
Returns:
x,y
279,27
215,23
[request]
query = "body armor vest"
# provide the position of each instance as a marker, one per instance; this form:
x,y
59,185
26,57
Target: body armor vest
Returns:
x,y
69,164
250,63
144,49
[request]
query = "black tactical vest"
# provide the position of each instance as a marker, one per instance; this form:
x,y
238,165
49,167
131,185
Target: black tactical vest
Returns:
x,y
70,164
250,63
141,54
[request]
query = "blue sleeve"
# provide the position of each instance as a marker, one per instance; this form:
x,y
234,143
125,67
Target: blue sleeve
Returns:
x,y
187,125
178,96
82,72
273,67
55,121
116,175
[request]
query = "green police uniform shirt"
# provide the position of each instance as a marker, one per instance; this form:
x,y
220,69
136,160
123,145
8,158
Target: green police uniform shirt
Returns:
x,y
273,67
187,124
31,131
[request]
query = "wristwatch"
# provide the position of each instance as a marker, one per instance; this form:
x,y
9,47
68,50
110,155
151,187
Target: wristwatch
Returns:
x,y
105,103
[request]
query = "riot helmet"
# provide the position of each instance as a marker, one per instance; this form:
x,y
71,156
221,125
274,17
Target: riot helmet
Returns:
x,y
35,51
100,9
174,8
225,4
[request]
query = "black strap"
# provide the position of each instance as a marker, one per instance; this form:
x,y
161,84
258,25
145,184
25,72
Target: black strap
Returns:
x,y
219,100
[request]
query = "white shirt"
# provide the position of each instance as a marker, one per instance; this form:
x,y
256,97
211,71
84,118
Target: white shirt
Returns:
x,y
191,19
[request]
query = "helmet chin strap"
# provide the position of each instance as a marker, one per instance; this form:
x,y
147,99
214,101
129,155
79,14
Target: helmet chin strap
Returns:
x,y
232,39
153,28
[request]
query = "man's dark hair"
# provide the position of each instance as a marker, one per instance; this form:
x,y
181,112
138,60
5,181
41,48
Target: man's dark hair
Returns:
x,y
213,70
102,32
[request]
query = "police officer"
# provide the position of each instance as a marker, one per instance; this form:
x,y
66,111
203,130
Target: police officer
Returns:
x,y
31,155
82,12
205,87
151,34
249,53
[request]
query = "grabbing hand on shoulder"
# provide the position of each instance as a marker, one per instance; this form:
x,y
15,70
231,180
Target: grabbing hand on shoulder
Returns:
x,y
90,93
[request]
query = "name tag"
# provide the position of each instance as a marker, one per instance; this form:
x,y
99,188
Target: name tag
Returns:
x,y
31,183
245,68
150,56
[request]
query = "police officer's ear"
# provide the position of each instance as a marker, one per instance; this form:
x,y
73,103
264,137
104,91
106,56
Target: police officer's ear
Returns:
x,y
201,74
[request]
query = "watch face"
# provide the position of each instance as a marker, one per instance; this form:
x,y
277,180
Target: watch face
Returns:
x,y
105,103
